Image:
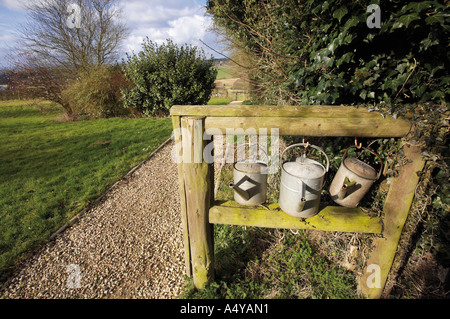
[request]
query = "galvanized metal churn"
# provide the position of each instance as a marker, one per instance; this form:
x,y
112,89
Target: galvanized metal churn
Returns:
x,y
250,180
353,179
301,183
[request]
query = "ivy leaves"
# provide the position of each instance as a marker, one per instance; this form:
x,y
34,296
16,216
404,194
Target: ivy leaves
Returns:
x,y
405,20
324,52
379,72
340,13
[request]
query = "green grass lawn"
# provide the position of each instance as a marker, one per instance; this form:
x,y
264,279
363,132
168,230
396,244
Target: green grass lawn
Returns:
x,y
50,170
220,101
224,73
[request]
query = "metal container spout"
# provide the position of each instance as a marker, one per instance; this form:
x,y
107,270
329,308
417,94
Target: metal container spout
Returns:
x,y
353,180
243,193
301,184
301,205
342,192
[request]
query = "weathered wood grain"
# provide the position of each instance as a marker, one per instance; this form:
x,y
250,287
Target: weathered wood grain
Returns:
x,y
311,120
395,209
315,126
176,122
331,218
198,189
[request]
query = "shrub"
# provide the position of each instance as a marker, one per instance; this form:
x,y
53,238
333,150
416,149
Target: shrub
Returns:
x,y
324,52
96,94
167,75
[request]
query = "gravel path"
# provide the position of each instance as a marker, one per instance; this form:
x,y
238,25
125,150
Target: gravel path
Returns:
x,y
128,246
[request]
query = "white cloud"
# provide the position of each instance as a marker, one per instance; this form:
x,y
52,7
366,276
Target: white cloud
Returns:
x,y
183,21
179,20
12,4
188,28
7,38
141,12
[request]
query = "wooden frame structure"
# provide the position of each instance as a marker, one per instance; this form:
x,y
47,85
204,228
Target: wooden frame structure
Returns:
x,y
196,182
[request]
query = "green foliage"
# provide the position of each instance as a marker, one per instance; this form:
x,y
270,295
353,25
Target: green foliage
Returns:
x,y
168,75
96,94
323,52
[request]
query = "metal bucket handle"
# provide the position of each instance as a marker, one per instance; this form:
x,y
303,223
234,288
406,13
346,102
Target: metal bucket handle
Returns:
x,y
259,146
300,182
309,145
370,151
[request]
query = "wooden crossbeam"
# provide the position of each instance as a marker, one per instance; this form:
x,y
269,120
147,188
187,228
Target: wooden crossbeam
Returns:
x,y
299,120
196,178
331,218
271,111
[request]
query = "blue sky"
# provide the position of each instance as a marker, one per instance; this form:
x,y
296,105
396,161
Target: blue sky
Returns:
x,y
183,21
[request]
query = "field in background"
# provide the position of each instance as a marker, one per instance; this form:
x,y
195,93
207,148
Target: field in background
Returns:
x,y
224,73
229,87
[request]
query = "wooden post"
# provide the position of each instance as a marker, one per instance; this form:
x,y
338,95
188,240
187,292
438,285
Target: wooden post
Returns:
x,y
199,193
396,209
197,180
176,121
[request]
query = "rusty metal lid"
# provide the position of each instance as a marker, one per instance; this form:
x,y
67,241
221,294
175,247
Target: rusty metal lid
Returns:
x,y
360,168
304,168
248,167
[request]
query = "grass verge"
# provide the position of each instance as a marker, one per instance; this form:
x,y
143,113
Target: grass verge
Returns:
x,y
51,170
253,263
220,101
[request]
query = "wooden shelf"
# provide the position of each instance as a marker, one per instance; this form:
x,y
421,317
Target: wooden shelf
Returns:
x,y
331,218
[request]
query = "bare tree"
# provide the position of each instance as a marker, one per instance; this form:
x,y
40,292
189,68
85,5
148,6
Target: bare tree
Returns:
x,y
75,35
67,38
